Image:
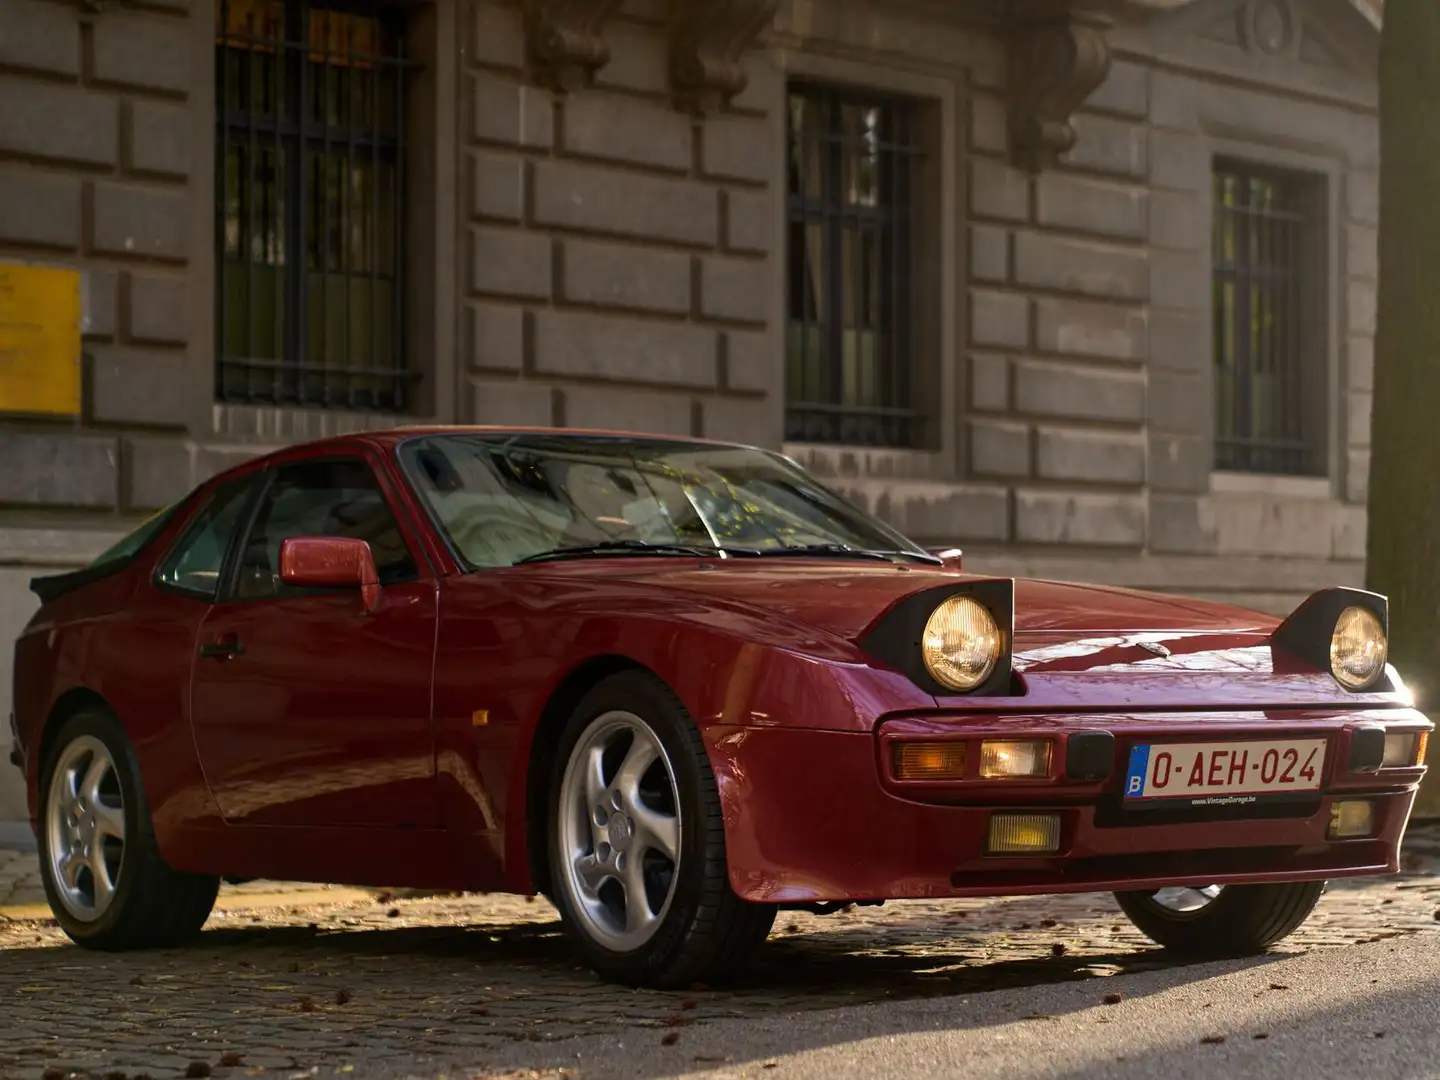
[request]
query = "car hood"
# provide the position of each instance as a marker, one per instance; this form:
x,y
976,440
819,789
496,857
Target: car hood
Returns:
x,y
846,599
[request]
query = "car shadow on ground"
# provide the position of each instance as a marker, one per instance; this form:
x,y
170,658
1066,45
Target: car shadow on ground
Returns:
x,y
293,996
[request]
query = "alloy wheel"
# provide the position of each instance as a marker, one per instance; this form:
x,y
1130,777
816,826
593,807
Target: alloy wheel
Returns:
x,y
619,822
1187,900
85,824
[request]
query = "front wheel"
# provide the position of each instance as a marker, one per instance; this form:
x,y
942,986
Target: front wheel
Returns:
x,y
103,874
637,843
1221,921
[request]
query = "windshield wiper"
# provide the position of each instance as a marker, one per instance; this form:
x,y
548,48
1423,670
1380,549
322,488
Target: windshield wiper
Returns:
x,y
615,547
848,552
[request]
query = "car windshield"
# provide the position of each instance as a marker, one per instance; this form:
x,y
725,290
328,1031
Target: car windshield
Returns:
x,y
505,499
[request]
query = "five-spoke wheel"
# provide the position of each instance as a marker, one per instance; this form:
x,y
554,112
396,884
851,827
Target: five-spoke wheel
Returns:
x,y
620,826
85,825
104,877
637,844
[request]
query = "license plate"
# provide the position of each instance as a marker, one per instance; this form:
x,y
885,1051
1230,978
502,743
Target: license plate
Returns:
x,y
1224,772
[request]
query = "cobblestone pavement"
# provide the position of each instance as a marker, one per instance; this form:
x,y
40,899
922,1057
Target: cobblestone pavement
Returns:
x,y
357,984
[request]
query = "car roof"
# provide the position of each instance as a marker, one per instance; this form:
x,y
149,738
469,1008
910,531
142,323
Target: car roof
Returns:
x,y
389,438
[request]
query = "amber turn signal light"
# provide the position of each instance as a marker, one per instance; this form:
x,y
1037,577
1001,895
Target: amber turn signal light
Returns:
x,y
929,760
1405,749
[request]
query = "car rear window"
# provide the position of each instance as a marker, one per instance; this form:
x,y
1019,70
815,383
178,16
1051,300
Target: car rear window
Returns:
x,y
134,542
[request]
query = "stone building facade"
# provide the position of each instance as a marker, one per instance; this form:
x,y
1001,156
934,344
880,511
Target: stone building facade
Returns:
x,y
1089,292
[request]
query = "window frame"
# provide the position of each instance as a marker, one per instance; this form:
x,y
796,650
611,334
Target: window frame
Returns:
x,y
424,568
251,480
893,222
391,386
1308,362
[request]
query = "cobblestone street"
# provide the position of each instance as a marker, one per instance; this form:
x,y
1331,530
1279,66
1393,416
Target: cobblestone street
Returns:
x,y
341,982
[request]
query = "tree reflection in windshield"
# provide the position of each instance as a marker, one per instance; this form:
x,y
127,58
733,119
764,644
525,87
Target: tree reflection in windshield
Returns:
x,y
500,499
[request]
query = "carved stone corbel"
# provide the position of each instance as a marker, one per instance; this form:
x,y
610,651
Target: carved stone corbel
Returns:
x,y
563,38
1059,56
707,40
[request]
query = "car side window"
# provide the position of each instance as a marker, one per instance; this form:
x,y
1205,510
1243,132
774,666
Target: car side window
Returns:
x,y
193,566
324,497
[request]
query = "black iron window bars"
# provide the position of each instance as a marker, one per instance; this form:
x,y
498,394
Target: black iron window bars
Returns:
x,y
310,208
1265,419
849,364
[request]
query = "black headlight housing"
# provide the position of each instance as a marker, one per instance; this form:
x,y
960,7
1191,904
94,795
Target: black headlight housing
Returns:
x,y
1306,634
896,638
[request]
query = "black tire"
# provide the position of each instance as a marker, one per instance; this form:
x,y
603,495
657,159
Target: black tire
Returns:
x,y
153,906
708,933
1242,921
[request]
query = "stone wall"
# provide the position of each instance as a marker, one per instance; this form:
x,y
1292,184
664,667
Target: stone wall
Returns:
x,y
603,258
1083,399
620,266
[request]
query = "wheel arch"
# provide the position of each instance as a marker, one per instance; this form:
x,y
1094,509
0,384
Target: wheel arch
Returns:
x,y
540,759
72,702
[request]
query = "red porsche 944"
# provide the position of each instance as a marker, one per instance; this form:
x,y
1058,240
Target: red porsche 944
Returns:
x,y
675,686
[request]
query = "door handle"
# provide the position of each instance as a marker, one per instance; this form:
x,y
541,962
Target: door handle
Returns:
x,y
222,650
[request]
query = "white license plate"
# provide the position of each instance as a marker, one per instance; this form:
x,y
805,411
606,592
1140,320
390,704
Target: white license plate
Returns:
x,y
1198,771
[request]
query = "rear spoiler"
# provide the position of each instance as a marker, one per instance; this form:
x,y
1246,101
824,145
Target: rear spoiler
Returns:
x,y
53,586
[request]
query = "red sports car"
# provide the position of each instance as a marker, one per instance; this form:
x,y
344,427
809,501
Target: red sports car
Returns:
x,y
675,686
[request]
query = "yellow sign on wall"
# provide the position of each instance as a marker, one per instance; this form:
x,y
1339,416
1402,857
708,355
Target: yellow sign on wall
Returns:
x,y
40,310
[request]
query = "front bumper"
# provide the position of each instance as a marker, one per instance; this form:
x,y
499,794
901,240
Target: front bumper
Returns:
x,y
811,816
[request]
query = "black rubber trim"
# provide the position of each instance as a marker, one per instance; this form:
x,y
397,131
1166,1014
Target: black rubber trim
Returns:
x,y
895,638
1305,635
1089,755
1367,748
51,588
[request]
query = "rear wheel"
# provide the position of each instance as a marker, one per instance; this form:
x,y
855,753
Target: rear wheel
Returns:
x,y
637,843
1221,920
103,875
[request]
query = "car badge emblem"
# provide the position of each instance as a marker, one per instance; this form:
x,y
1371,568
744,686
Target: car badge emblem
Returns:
x,y
1154,648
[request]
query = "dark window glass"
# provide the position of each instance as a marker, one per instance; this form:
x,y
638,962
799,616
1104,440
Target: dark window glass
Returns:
x,y
849,353
325,497
310,162
1269,387
134,541
194,564
509,498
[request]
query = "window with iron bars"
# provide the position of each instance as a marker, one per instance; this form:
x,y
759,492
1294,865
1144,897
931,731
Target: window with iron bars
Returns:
x,y
849,365
1269,377
309,229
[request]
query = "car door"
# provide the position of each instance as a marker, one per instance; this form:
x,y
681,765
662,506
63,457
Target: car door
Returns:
x,y
307,708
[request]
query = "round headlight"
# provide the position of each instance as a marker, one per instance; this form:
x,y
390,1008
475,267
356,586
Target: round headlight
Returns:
x,y
961,643
1358,648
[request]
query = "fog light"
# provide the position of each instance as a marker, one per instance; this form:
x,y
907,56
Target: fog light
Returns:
x,y
1352,818
929,760
1008,760
1024,834
1405,750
